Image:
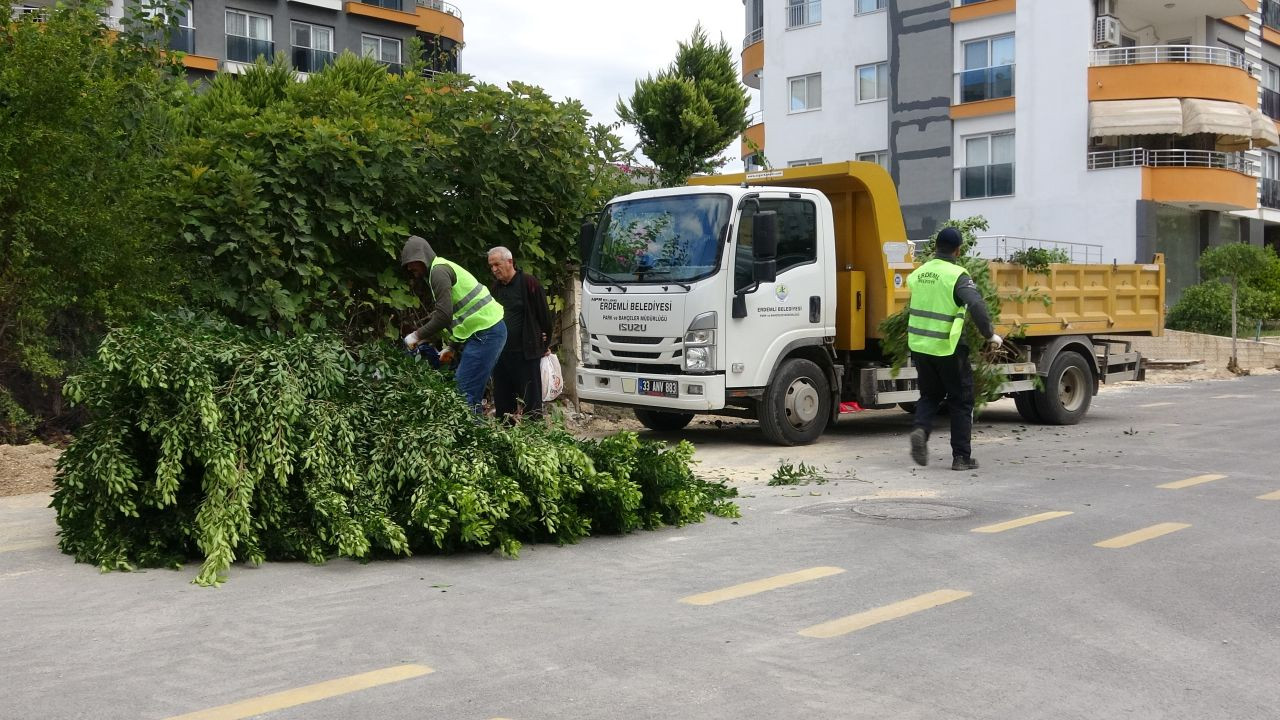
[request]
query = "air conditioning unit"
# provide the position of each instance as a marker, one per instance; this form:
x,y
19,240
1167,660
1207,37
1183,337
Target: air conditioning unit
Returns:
x,y
1106,32
1107,7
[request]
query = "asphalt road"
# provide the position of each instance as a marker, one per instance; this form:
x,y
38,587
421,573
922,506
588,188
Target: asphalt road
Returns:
x,y
867,596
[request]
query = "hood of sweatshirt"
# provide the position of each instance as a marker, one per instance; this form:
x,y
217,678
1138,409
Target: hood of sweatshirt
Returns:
x,y
416,248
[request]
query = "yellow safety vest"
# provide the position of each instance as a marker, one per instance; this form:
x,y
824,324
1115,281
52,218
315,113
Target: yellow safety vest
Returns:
x,y
934,321
474,308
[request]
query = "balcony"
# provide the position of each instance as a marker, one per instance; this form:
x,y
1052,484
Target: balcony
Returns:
x,y
753,58
1171,71
753,134
1271,193
981,84
309,60
182,39
246,50
984,181
1197,179
803,14
965,10
388,4
439,18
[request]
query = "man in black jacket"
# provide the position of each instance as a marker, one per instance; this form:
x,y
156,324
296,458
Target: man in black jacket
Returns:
x,y
518,374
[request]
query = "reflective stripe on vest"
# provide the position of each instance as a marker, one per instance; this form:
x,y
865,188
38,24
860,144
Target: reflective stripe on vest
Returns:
x,y
934,321
474,308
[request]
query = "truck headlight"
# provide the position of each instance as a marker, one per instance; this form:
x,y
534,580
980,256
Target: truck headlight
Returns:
x,y
698,358
584,342
700,337
700,344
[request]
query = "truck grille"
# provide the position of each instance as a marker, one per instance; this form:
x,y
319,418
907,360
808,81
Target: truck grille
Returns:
x,y
646,352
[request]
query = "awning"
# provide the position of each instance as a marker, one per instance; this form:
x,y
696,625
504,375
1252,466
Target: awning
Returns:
x,y
1264,129
1230,121
1160,116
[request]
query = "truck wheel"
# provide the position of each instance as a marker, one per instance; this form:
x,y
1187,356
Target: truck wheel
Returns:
x,y
1068,390
797,404
908,407
663,421
1026,403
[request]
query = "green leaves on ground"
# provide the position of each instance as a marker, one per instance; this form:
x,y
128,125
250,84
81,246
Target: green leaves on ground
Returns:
x,y
799,474
206,441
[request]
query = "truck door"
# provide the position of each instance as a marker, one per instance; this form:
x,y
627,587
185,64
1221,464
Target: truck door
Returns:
x,y
790,308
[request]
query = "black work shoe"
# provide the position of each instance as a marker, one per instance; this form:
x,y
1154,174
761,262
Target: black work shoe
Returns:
x,y
963,463
920,446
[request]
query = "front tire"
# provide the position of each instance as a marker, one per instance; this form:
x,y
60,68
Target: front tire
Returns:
x,y
661,421
1068,390
797,404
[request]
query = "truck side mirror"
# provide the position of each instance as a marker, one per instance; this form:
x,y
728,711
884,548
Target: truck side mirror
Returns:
x,y
764,246
586,237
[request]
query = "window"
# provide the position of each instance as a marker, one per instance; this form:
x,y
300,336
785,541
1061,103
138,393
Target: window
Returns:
x,y
248,36
1270,179
181,31
797,237
1270,90
383,49
312,46
988,69
866,6
880,157
873,82
988,170
803,12
805,162
806,92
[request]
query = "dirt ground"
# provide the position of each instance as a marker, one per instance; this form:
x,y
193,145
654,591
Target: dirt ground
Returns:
x,y
31,468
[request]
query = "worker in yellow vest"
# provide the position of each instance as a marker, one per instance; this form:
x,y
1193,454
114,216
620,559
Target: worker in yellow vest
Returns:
x,y
942,294
465,310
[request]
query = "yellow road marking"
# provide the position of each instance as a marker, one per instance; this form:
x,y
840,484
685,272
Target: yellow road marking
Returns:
x,y
1020,522
1159,404
308,694
845,625
1142,535
1197,480
759,586
29,545
1270,496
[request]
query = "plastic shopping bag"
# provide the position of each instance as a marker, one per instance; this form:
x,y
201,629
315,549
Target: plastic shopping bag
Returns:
x,y
552,378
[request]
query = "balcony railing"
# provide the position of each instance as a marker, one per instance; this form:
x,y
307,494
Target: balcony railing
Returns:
x,y
755,118
1271,14
438,5
1271,103
805,13
985,83
36,14
1138,157
982,181
246,50
394,68
388,4
1271,193
753,37
309,60
1168,53
182,39
1003,246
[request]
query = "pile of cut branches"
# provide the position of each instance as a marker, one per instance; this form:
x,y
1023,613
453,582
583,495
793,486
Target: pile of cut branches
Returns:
x,y
207,441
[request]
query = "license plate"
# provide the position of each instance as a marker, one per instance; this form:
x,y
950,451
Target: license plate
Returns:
x,y
659,388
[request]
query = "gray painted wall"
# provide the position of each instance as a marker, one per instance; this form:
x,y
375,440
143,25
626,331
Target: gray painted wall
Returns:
x,y
210,25
919,112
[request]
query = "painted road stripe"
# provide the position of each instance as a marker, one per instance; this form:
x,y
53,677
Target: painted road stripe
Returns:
x,y
1270,496
1230,397
893,611
1159,404
1197,480
759,586
308,694
30,545
1142,535
1021,522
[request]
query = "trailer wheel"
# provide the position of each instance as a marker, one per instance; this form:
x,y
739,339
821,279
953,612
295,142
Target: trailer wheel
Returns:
x,y
1068,390
1026,403
797,404
662,421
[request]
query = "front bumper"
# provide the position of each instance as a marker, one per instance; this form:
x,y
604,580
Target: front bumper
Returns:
x,y
621,388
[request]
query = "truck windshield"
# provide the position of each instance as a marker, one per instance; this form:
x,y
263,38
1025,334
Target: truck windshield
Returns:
x,y
666,239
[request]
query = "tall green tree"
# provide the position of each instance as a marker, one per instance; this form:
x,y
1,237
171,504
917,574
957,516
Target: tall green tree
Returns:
x,y
86,122
1239,264
689,112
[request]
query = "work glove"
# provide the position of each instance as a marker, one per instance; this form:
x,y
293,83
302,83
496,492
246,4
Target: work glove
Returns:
x,y
411,340
995,340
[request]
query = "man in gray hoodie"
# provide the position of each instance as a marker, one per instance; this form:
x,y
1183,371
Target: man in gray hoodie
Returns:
x,y
464,311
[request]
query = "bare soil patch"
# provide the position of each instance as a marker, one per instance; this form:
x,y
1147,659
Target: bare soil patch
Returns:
x,y
27,468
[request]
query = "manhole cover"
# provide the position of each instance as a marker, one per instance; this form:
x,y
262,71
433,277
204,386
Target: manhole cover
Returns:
x,y
910,511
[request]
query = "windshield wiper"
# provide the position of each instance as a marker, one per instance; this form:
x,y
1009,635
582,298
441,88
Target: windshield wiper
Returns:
x,y
665,271
609,279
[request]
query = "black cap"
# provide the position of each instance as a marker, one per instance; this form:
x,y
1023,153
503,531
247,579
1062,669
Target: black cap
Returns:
x,y
949,239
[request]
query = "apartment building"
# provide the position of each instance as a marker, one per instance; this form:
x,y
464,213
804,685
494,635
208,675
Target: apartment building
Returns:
x,y
1114,128
229,35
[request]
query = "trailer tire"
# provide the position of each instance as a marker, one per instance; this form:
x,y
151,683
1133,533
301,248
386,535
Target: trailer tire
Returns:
x,y
1067,392
1026,403
797,404
662,421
